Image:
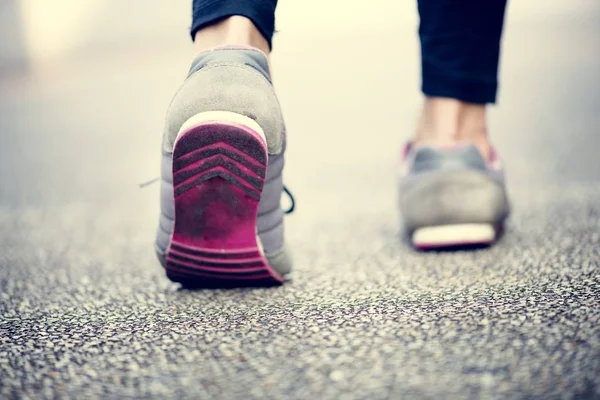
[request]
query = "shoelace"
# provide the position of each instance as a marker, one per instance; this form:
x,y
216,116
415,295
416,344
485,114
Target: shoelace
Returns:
x,y
285,190
292,200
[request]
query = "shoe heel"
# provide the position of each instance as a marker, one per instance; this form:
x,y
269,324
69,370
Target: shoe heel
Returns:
x,y
219,167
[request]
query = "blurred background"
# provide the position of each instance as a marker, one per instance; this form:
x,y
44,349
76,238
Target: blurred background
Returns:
x,y
100,74
84,88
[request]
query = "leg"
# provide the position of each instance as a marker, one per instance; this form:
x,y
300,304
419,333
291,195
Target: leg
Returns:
x,y
221,221
460,50
453,192
231,22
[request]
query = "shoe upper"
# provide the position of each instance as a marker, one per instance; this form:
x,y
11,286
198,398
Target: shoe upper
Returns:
x,y
451,158
228,79
451,185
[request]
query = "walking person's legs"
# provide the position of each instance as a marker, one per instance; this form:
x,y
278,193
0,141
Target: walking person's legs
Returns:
x,y
453,192
221,222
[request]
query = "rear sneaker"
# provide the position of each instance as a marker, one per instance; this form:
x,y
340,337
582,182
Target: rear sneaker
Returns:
x,y
452,196
221,222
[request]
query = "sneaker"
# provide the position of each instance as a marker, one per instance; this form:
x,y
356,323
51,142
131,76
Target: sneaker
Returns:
x,y
452,196
221,223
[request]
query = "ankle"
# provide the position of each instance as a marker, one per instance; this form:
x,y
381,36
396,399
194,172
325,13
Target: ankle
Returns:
x,y
446,121
234,30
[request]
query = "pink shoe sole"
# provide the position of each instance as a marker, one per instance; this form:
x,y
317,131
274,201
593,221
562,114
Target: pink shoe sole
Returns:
x,y
219,171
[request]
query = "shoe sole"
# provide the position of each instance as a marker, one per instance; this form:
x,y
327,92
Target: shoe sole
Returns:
x,y
457,235
219,168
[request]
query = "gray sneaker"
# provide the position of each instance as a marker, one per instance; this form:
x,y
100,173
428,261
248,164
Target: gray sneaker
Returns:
x,y
452,196
221,223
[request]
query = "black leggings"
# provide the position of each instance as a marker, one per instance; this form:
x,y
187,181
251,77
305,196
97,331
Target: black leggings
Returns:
x,y
460,41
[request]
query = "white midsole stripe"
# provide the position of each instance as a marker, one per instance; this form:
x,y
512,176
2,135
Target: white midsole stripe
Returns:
x,y
454,234
222,116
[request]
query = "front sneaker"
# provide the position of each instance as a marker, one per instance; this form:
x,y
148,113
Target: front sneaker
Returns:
x,y
452,196
221,222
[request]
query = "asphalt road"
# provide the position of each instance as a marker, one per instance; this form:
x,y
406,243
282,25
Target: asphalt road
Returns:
x,y
85,309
